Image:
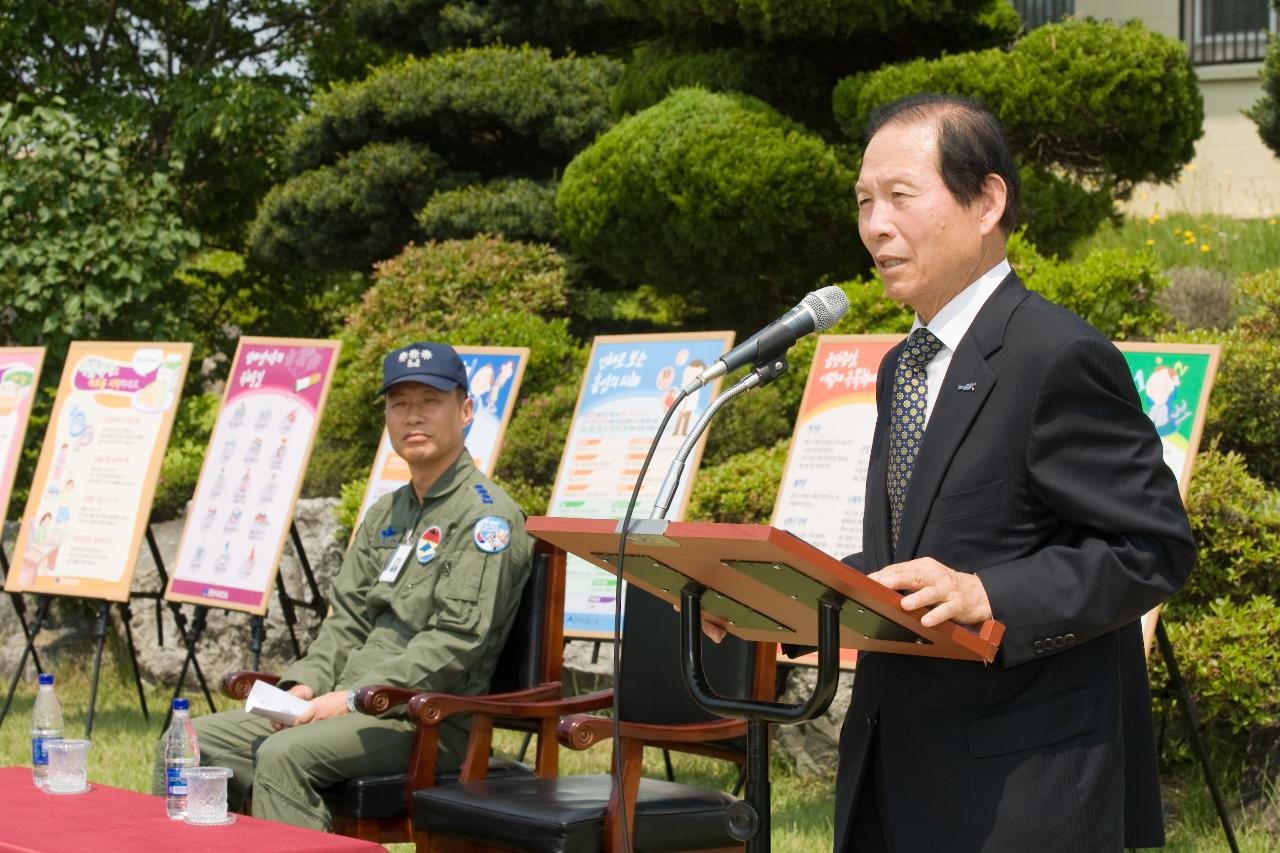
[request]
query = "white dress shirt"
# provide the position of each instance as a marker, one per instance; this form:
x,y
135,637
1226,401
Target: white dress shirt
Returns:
x,y
951,323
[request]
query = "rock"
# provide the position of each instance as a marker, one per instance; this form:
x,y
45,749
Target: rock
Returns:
x,y
813,748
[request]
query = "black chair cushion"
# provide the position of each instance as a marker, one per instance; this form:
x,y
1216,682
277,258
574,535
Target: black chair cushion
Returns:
x,y
383,796
566,814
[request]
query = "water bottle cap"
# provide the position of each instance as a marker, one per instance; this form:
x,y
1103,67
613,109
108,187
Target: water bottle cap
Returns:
x,y
46,678
181,704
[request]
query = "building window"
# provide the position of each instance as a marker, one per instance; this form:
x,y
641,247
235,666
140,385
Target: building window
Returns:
x,y
1222,31
1035,13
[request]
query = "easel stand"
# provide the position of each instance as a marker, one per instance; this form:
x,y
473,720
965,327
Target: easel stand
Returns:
x,y
100,639
1191,716
30,632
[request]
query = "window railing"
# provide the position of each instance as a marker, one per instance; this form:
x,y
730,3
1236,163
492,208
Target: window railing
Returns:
x,y
1035,13
1222,31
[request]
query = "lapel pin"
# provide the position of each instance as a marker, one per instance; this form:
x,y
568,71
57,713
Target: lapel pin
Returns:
x,y
968,386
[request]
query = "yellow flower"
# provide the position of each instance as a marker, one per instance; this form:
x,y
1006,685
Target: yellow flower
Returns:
x,y
1151,242
1204,247
1271,221
1191,167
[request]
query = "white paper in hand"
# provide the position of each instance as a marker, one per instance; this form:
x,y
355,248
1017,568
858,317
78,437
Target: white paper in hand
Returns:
x,y
279,706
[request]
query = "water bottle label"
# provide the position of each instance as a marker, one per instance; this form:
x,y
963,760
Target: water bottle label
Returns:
x,y
177,782
39,756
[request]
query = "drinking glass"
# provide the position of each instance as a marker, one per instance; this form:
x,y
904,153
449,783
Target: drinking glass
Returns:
x,y
207,796
68,766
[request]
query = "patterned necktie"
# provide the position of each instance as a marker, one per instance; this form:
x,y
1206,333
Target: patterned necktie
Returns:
x,y
907,417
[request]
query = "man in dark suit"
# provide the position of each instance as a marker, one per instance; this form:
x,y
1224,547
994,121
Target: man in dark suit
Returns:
x,y
1013,476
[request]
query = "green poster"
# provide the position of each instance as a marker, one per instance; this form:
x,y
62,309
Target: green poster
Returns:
x,y
1173,382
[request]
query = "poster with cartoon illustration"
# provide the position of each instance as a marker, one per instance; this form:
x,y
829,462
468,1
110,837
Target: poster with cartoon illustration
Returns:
x,y
90,499
19,375
824,481
629,383
258,452
493,380
1173,382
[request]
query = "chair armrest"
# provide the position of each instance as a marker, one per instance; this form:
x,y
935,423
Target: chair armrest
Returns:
x,y
430,709
583,731
238,684
380,698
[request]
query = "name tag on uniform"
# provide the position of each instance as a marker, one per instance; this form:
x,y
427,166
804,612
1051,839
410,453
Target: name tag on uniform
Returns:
x,y
395,563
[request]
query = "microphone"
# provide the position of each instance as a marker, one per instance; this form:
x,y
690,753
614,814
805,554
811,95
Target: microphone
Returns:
x,y
817,312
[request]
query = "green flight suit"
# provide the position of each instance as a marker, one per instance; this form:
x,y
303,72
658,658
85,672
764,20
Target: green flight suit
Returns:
x,y
439,625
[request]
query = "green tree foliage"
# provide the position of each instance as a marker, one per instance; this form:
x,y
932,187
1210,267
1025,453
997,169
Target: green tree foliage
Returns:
x,y
828,20
479,126
84,241
484,291
515,208
351,214
427,26
1266,110
492,111
714,189
169,78
742,489
1103,106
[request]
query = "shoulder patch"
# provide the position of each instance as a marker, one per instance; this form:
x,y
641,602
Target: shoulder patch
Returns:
x,y
485,497
492,534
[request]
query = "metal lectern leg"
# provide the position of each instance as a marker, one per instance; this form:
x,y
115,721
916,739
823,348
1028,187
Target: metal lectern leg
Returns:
x,y
749,820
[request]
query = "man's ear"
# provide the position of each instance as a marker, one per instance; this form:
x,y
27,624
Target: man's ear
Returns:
x,y
468,411
992,201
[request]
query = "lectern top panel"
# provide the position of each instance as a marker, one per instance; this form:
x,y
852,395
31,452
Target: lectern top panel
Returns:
x,y
764,585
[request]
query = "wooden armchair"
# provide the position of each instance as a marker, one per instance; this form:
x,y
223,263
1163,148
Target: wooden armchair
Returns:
x,y
379,808
583,814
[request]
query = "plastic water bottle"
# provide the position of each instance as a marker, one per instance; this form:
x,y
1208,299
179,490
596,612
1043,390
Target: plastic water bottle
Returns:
x,y
46,725
180,752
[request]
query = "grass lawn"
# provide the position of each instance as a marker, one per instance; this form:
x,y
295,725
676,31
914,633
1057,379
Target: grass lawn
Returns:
x,y
123,743
1234,247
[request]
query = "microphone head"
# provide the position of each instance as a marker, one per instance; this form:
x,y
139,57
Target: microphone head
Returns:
x,y
827,306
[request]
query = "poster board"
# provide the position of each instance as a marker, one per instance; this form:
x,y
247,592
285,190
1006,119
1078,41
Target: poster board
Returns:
x,y
91,494
261,443
19,379
494,375
629,383
824,481
1173,382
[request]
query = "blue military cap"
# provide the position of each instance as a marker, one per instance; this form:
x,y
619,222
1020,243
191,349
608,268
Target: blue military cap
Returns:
x,y
431,364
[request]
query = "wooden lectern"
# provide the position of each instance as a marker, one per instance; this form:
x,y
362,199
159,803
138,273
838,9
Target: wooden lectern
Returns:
x,y
765,585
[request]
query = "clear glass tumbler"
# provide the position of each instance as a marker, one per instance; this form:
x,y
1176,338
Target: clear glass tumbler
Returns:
x,y
207,796
68,766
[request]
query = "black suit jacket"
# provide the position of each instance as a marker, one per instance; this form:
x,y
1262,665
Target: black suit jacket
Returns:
x,y
1040,472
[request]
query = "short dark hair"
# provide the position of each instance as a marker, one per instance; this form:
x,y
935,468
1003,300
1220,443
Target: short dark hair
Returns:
x,y
971,145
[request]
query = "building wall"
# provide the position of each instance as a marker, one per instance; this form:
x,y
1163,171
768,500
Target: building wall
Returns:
x,y
1233,173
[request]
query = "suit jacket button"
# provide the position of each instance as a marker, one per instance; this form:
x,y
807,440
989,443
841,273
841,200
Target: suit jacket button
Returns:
x,y
1071,639
1059,642
1038,647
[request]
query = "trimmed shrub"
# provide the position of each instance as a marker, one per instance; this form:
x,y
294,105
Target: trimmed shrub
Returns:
x,y
1107,101
535,440
1199,298
1059,212
742,489
1115,291
1266,110
1229,656
493,111
351,214
484,291
514,208
1236,522
789,82
715,189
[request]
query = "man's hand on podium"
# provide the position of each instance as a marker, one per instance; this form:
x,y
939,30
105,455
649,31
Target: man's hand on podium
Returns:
x,y
958,596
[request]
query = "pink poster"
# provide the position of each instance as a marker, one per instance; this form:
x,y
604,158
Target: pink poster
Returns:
x,y
243,506
19,378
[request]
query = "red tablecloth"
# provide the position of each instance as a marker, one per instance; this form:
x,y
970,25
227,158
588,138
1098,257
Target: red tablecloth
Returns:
x,y
111,820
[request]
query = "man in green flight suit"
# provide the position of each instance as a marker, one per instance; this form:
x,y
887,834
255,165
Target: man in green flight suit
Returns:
x,y
424,600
